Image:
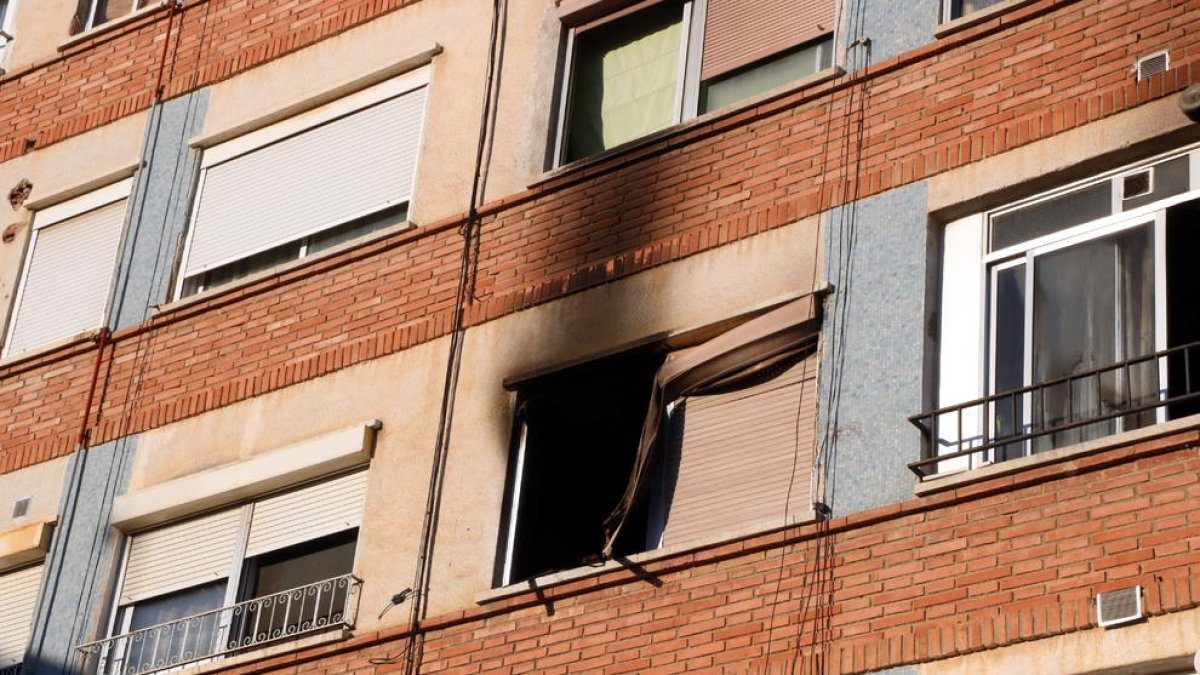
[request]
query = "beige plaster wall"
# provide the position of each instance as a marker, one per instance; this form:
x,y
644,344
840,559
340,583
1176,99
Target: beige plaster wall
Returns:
x,y
456,89
1115,136
67,166
43,483
1163,644
404,390
39,26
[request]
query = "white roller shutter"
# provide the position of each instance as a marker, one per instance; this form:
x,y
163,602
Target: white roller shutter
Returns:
x,y
307,182
740,455
18,601
181,556
68,278
306,514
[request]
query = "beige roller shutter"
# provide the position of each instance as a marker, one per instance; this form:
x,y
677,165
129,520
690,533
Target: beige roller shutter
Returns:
x,y
180,556
307,182
308,513
68,278
18,601
739,451
740,32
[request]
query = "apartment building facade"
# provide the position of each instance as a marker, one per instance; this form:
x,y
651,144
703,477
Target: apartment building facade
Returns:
x,y
823,336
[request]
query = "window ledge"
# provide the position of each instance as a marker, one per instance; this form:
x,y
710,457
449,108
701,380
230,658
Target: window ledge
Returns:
x,y
109,26
42,350
700,120
281,269
25,544
541,583
975,18
948,481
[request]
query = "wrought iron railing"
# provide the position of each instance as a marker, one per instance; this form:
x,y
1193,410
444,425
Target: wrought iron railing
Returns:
x,y
12,669
323,605
1126,395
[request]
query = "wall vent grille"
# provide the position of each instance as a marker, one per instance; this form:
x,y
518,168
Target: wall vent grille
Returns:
x,y
1154,64
1114,608
20,507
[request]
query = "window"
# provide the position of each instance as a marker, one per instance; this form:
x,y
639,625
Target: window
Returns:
x,y
637,451
102,11
653,64
301,186
69,269
8,11
236,579
18,602
959,8
1082,302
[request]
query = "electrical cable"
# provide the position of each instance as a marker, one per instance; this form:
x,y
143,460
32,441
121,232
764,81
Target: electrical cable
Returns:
x,y
464,294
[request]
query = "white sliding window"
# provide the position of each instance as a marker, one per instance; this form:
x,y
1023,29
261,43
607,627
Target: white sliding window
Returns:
x,y
69,269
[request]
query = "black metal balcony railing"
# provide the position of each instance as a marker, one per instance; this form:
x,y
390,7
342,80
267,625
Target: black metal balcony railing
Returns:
x,y
12,669
319,606
1122,396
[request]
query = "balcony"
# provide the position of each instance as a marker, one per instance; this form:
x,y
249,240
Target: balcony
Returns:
x,y
1123,396
248,625
14,669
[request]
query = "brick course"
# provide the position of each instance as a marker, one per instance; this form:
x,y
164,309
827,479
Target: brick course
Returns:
x,y
711,182
837,594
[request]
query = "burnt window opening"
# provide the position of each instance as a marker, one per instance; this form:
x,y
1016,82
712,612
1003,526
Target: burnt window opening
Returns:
x,y
645,450
577,436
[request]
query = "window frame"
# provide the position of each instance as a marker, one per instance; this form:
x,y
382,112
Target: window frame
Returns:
x,y
968,323
50,216
94,6
689,85
7,20
216,151
121,615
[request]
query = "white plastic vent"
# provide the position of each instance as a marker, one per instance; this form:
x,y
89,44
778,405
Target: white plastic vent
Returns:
x,y
1137,184
20,507
1119,607
1154,64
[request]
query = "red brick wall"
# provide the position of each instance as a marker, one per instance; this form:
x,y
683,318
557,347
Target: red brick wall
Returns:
x,y
1011,559
1045,68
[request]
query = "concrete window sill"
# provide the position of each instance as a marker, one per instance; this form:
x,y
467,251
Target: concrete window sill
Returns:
x,y
541,583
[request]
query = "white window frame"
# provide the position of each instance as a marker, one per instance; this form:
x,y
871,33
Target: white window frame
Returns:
x,y
688,86
121,615
966,362
6,33
294,125
138,5
48,217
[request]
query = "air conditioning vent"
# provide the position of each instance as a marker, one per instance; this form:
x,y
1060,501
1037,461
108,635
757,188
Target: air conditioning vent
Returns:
x,y
20,507
1154,64
1119,607
1137,184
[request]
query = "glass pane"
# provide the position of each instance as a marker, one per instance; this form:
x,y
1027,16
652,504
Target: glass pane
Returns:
x,y
1170,178
107,10
296,589
357,228
763,76
240,269
178,641
964,7
624,79
1092,306
1009,355
1052,215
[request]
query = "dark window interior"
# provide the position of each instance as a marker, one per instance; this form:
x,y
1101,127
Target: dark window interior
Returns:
x,y
156,647
279,609
583,426
1183,314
